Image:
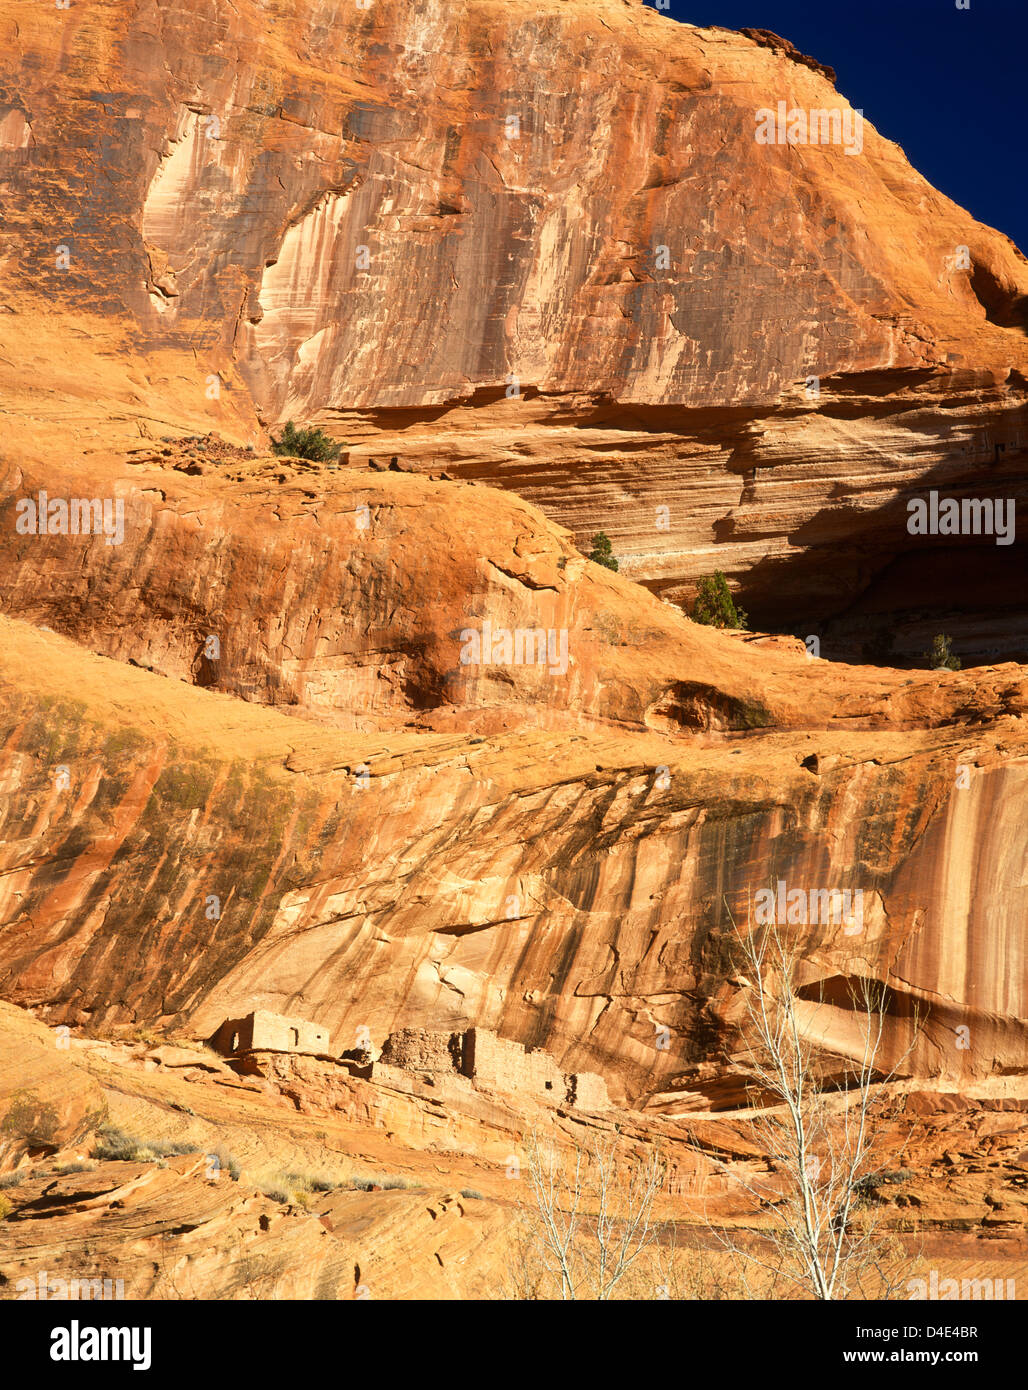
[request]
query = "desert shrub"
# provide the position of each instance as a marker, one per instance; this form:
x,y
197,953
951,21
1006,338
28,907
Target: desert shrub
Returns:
x,y
471,1194
714,605
309,443
118,1146
298,1188
114,1144
388,1184
64,1168
310,1182
10,1180
602,553
144,1035
941,657
5,1208
870,1182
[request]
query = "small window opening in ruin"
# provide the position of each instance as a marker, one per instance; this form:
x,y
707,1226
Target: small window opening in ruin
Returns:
x,y
296,1036
549,1085
235,1043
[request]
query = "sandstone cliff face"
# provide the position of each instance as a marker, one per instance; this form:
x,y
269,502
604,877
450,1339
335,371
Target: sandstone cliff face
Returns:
x,y
571,892
243,763
395,218
376,600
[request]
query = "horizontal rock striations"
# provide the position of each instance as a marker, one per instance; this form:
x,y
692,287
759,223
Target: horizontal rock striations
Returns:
x,y
548,247
575,893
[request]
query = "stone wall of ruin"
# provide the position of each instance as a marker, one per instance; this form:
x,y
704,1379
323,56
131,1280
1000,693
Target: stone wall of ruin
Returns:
x,y
495,1064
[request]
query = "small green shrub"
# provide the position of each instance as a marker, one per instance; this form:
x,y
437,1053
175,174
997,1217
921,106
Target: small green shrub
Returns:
x,y
11,1180
472,1194
941,657
714,605
602,552
307,443
5,1208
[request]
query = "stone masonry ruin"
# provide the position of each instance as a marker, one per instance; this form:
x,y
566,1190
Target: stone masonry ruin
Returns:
x,y
264,1031
495,1064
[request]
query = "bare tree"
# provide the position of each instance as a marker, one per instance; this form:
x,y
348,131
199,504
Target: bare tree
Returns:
x,y
587,1228
827,1238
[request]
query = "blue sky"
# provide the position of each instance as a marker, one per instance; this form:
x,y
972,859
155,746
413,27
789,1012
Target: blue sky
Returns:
x,y
950,86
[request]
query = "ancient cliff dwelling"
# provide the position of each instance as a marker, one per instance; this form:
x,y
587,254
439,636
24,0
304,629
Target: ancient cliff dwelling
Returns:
x,y
263,1031
513,665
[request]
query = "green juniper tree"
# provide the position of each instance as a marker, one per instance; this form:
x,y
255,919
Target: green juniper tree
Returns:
x,y
714,605
307,443
601,552
941,657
